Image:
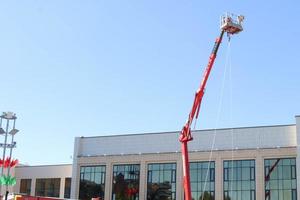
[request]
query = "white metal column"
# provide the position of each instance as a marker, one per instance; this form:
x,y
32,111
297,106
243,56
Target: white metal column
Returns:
x,y
298,155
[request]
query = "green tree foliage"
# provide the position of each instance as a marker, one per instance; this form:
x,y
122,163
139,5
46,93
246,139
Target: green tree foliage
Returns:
x,y
206,196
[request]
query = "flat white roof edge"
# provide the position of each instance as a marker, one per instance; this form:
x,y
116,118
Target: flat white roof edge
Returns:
x,y
194,151
200,130
54,165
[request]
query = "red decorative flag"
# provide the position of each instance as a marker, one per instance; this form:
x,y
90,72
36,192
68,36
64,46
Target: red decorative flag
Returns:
x,y
6,162
13,163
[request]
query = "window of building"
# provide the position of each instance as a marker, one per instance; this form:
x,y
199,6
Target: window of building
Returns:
x,y
47,187
67,188
280,179
25,186
202,176
126,182
239,180
161,181
92,182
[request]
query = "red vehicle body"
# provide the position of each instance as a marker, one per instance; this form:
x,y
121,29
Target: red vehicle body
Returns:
x,y
26,197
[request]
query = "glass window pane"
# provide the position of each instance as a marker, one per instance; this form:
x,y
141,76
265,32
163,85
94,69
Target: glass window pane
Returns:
x,y
293,161
293,171
246,185
193,175
194,187
286,172
287,194
252,173
286,162
245,173
155,176
193,165
294,194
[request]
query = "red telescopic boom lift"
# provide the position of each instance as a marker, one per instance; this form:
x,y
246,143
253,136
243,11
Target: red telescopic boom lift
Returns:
x,y
231,25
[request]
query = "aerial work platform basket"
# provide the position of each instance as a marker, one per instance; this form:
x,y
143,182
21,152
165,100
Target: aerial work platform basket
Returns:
x,y
231,23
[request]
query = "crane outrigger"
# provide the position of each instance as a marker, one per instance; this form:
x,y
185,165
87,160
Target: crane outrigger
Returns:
x,y
230,24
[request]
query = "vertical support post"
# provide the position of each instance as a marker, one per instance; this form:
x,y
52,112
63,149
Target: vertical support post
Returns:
x,y
143,180
108,180
10,150
260,177
75,181
179,178
62,187
33,187
298,154
219,178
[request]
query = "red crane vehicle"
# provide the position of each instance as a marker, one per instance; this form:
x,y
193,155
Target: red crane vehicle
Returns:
x,y
231,25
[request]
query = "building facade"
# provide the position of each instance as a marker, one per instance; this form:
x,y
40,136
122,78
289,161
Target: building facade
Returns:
x,y
44,181
253,163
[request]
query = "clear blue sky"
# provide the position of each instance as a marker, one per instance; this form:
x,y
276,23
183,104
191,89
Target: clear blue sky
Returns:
x,y
86,68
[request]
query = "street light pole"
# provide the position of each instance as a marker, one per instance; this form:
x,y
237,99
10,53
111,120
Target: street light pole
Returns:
x,y
5,142
4,151
12,142
12,133
7,116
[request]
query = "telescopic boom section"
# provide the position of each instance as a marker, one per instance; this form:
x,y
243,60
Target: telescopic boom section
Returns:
x,y
186,136
230,26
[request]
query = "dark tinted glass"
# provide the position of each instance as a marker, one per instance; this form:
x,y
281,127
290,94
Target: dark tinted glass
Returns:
x,y
48,187
161,181
92,182
67,188
126,182
25,186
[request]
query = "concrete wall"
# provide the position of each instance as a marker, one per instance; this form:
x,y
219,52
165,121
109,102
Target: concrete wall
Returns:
x,y
46,171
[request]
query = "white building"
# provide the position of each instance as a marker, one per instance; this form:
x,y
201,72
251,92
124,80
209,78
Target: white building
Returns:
x,y
46,180
246,163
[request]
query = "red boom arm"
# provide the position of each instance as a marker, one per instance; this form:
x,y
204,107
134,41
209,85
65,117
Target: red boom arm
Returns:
x,y
185,135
